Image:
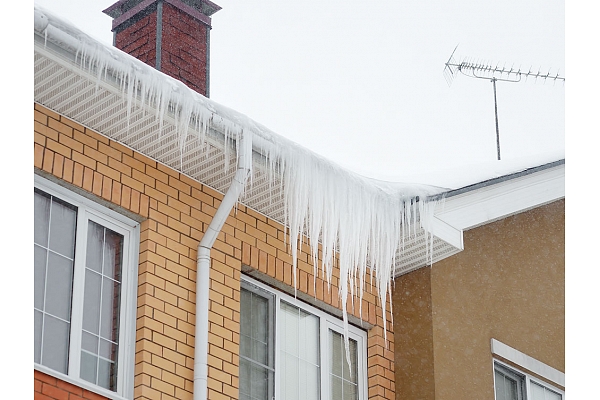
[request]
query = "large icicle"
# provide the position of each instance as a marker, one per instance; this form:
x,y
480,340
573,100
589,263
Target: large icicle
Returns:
x,y
364,221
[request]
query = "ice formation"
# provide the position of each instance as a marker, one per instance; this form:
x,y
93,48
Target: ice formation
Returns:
x,y
363,221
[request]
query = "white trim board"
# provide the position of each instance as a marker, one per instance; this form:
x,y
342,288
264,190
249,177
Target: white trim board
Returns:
x,y
527,362
496,201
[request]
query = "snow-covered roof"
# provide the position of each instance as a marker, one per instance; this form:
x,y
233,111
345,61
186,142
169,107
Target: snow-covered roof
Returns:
x,y
385,226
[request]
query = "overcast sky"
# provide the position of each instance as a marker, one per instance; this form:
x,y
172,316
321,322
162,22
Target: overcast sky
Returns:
x,y
362,84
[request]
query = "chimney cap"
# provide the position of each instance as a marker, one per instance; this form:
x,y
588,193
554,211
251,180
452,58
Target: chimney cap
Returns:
x,y
206,7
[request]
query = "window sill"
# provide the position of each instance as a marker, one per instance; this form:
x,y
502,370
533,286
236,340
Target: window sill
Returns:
x,y
79,383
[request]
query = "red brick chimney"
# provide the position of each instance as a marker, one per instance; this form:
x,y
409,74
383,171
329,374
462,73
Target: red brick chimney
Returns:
x,y
172,36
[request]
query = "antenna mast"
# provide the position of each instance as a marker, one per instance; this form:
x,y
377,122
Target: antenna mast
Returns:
x,y
480,70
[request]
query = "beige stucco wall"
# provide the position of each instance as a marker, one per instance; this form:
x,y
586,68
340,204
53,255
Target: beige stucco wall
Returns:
x,y
507,284
414,340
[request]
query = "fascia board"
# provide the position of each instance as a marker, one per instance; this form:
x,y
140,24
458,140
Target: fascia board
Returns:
x,y
490,203
446,232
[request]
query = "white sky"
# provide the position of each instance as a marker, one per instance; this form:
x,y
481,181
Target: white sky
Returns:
x,y
361,83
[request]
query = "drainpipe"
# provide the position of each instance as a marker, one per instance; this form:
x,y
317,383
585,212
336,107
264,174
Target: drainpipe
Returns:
x,y
203,264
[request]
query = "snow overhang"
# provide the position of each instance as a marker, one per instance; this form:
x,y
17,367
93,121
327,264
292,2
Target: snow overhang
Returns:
x,y
84,80
163,119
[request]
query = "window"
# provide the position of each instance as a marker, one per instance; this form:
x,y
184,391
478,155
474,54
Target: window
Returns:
x,y
511,384
84,290
292,351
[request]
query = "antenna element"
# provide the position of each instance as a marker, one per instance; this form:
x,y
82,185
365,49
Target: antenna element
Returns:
x,y
476,69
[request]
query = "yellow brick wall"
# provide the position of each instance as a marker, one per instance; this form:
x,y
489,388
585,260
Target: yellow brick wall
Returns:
x,y
176,211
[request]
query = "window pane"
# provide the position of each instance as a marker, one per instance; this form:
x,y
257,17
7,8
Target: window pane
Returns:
x,y
539,392
101,305
41,217
300,352
337,385
109,326
59,282
509,384
95,244
256,345
344,380
500,393
113,249
39,276
63,218
55,344
255,381
37,336
350,391
54,238
89,343
91,302
289,329
309,378
254,328
289,382
89,367
107,374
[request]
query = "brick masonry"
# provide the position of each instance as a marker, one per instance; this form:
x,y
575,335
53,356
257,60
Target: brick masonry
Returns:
x,y
184,45
176,210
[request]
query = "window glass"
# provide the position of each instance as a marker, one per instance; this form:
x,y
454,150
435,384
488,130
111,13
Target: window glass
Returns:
x,y
344,377
539,392
311,361
513,385
257,374
509,385
102,294
300,367
53,278
78,282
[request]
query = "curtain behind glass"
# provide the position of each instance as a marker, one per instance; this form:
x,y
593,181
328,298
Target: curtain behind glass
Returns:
x,y
256,347
344,381
101,304
299,354
54,252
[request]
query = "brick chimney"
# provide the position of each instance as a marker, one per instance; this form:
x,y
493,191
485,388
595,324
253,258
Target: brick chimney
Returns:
x,y
172,36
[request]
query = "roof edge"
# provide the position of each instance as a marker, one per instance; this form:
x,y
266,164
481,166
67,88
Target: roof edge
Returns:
x,y
494,181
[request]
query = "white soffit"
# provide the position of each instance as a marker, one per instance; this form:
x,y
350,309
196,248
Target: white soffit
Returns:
x,y
64,87
495,200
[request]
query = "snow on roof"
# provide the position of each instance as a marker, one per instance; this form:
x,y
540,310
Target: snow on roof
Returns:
x,y
364,222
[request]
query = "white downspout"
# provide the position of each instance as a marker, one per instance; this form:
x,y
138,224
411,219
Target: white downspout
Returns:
x,y
203,264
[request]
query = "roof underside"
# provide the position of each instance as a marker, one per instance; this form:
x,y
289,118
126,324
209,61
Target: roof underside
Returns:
x,y
99,104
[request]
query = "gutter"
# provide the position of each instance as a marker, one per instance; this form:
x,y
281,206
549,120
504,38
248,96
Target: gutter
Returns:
x,y
203,264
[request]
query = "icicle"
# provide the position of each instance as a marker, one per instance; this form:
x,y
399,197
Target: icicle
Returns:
x,y
362,225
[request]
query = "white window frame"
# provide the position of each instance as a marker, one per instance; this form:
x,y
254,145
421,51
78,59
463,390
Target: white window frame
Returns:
x,y
90,210
326,322
522,364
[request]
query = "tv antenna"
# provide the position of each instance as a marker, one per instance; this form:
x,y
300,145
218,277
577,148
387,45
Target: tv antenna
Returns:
x,y
477,69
